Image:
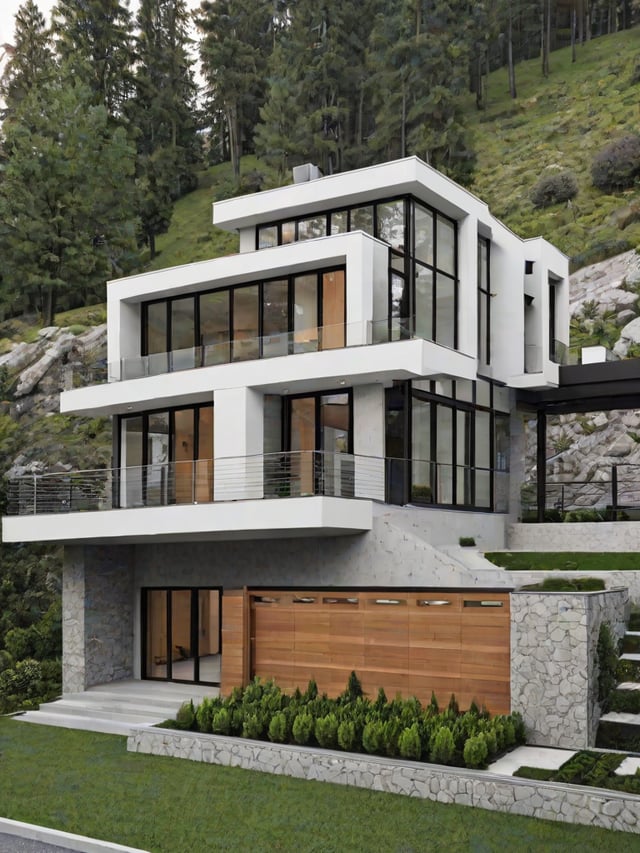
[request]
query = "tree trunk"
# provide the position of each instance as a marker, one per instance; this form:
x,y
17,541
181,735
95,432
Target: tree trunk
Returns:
x,y
49,305
512,70
544,36
580,15
152,245
573,35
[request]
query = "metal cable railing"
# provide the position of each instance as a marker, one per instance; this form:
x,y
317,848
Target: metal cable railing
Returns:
x,y
263,476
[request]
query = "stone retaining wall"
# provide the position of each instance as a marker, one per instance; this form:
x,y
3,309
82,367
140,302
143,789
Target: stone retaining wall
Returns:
x,y
578,536
565,803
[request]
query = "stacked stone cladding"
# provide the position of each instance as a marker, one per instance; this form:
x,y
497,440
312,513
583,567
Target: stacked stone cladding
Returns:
x,y
565,803
554,666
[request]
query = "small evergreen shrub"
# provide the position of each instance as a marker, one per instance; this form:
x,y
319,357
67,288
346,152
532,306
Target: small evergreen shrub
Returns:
x,y
302,728
253,726
476,751
467,542
326,731
617,166
410,744
347,735
607,657
279,728
442,746
373,737
221,722
554,189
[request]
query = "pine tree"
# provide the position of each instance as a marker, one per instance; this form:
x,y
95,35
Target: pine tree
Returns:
x,y
32,61
319,76
162,112
237,39
66,197
93,36
424,56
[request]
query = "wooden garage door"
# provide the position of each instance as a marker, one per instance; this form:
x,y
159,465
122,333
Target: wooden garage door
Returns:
x,y
411,643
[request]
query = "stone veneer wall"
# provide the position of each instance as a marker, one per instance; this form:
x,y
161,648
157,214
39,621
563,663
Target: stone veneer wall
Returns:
x,y
612,580
554,668
565,803
97,616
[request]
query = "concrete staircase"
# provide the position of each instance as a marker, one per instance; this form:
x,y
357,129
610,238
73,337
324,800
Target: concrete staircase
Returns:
x,y
115,708
632,639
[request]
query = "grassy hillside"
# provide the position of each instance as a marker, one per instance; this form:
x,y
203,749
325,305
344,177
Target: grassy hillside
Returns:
x,y
558,124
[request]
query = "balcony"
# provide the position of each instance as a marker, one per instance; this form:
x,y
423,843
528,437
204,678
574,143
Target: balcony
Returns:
x,y
228,351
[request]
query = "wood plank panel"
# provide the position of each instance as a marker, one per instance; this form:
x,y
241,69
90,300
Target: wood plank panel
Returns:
x,y
234,658
411,648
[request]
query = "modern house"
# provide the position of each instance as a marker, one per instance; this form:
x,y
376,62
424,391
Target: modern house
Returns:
x,y
301,432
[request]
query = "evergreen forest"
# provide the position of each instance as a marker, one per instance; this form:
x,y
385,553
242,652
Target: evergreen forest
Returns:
x,y
112,118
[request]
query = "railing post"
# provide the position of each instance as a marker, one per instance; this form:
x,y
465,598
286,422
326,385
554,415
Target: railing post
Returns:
x,y
35,494
614,492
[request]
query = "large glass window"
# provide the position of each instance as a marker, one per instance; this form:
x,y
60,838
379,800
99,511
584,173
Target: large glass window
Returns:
x,y
166,457
305,313
183,325
333,310
214,327
275,318
245,323
484,303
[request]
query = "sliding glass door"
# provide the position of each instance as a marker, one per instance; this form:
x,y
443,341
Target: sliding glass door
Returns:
x,y
181,634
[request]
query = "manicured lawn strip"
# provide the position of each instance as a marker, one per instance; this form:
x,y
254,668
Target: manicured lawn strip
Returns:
x,y
574,561
87,783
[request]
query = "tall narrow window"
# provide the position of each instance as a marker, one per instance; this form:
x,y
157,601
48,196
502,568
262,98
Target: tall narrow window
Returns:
x,y
183,326
333,309
275,318
215,333
245,323
484,302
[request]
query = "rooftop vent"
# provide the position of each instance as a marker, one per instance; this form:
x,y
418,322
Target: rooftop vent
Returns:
x,y
306,172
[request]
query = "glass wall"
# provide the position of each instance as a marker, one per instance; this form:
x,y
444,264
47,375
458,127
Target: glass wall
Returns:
x,y
166,457
423,264
259,320
484,302
457,442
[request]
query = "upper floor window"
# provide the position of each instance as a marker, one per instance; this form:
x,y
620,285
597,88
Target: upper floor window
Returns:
x,y
484,301
295,313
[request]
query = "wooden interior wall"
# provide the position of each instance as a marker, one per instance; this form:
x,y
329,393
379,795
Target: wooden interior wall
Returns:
x,y
394,640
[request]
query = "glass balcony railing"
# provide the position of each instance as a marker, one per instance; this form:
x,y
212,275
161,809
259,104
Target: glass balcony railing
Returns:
x,y
226,351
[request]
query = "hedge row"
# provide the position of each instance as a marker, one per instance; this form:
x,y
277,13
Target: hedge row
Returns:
x,y
354,723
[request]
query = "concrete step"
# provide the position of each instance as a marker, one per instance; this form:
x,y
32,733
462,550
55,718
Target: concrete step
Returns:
x,y
136,714
630,656
621,717
90,724
632,634
629,685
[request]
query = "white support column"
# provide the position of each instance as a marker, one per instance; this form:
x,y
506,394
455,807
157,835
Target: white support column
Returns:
x,y
368,441
238,444
468,286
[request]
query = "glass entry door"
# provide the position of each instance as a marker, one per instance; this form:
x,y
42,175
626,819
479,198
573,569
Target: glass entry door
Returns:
x,y
181,634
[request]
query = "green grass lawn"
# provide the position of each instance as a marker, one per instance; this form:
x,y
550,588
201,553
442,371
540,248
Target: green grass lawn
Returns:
x,y
575,561
87,783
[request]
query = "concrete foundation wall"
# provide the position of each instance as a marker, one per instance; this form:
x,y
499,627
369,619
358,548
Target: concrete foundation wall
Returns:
x,y
554,667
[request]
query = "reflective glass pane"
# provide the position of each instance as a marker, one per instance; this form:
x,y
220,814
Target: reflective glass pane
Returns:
x,y
305,313
214,327
267,236
275,318
314,226
245,322
182,655
183,333
156,638
339,221
483,257
444,453
446,245
208,632
502,443
303,445
333,310
131,462
423,233
463,454
204,458
421,485
484,354
157,468
337,466
445,311
362,219
184,454
156,331
424,303
483,439
288,232
400,319
391,225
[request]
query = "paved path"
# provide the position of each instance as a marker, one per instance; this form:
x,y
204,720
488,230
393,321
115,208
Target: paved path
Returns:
x,y
15,844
